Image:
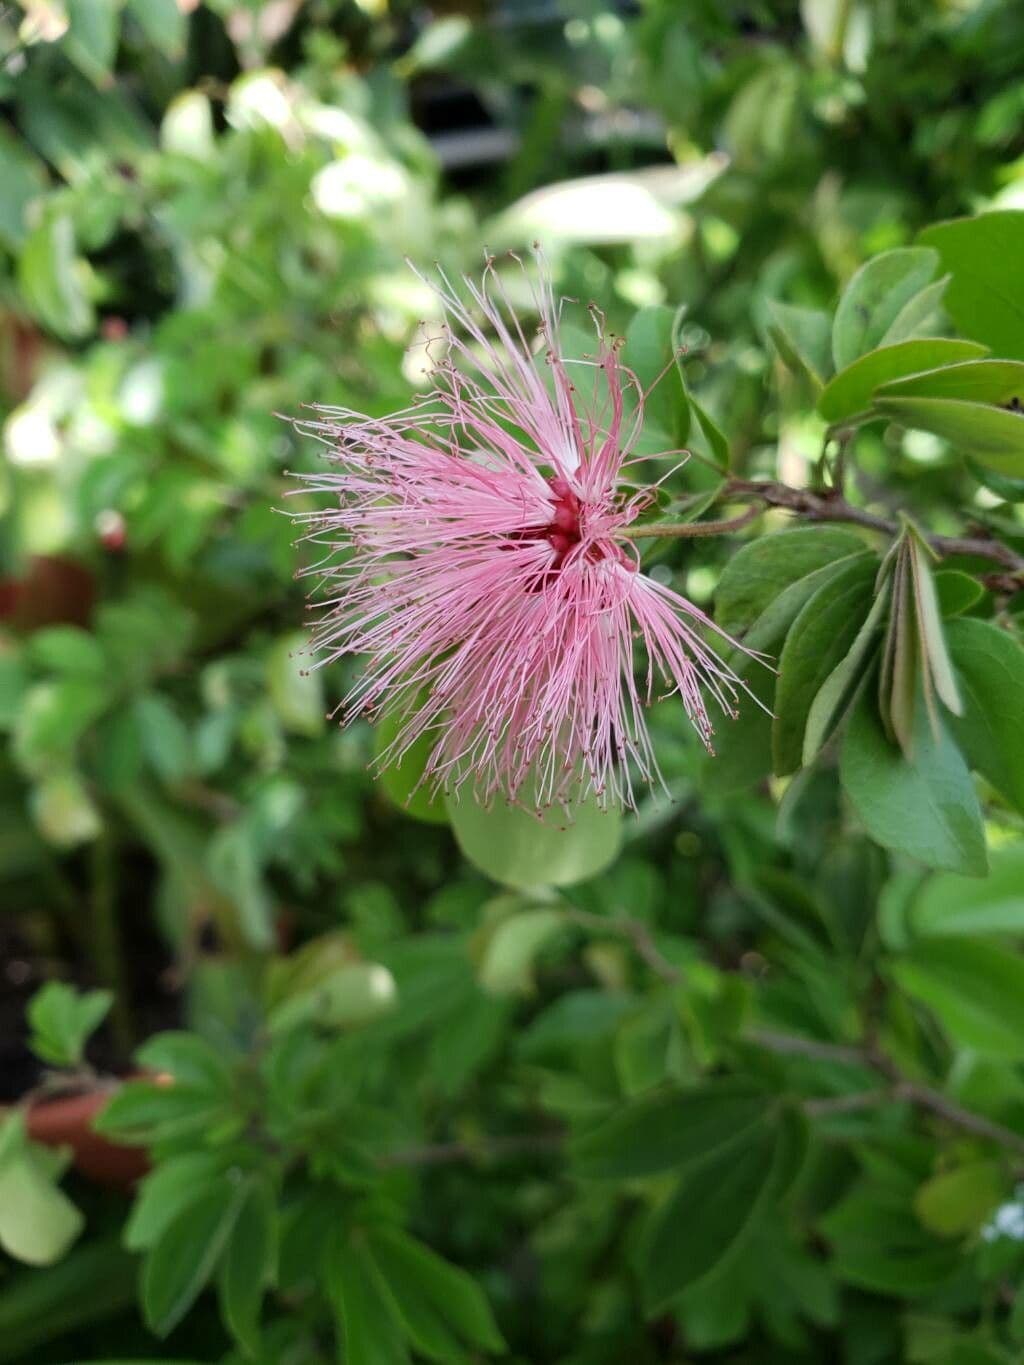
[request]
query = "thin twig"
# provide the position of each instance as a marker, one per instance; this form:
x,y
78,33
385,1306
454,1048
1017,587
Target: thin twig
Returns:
x,y
686,530
637,933
825,506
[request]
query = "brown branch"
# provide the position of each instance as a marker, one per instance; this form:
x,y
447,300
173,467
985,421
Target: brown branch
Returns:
x,y
829,506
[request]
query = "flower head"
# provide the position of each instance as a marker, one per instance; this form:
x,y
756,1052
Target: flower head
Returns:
x,y
477,556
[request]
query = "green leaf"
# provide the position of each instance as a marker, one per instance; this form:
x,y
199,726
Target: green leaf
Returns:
x,y
994,436
62,1019
368,1318
352,994
506,967
164,22
819,638
985,256
23,177
926,808
874,298
837,692
671,1130
38,1222
524,850
186,1254
949,905
997,382
742,747
717,1205
958,1202
191,1060
165,738
67,649
295,687
165,1191
401,779
803,337
974,987
650,352
248,1267
761,569
53,717
850,393
50,280
957,592
921,316
989,665
443,1311
91,39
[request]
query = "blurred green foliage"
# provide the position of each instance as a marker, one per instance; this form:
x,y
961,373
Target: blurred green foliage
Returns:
x,y
754,1091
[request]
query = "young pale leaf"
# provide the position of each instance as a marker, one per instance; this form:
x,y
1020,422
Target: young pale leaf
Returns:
x,y
824,631
443,1311
933,652
989,664
985,256
850,393
186,1254
507,963
671,1130
38,1222
707,1217
874,298
927,807
524,850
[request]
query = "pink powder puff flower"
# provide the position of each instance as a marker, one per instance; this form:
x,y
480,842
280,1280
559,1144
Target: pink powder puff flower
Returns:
x,y
475,553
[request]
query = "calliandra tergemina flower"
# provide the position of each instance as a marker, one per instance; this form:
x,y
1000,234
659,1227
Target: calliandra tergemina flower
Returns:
x,y
476,556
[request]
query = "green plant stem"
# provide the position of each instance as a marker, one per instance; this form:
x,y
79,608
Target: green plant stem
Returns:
x,y
106,940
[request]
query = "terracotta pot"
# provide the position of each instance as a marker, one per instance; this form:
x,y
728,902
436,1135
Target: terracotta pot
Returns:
x,y
66,1121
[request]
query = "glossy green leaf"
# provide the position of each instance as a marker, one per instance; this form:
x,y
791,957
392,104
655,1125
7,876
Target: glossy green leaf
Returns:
x,y
850,393
957,592
520,849
670,1130
874,298
985,256
818,640
927,807
989,665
